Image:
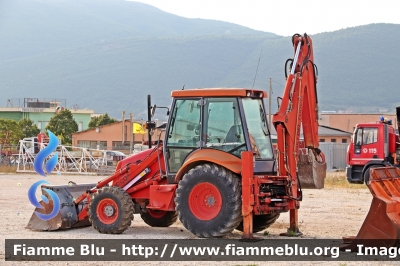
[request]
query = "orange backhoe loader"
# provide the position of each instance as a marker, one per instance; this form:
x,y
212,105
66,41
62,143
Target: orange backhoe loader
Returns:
x,y
216,169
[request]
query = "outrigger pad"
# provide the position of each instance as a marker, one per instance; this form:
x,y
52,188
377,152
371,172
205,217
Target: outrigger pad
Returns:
x,y
311,173
67,217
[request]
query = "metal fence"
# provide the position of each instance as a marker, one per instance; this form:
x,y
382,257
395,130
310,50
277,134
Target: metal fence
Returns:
x,y
335,154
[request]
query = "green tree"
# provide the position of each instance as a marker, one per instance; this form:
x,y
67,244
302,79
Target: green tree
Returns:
x,y
63,125
28,128
101,120
10,131
93,122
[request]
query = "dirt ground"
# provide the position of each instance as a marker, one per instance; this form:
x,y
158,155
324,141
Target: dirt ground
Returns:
x,y
326,213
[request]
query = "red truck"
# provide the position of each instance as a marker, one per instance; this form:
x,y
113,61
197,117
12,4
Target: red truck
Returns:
x,y
373,145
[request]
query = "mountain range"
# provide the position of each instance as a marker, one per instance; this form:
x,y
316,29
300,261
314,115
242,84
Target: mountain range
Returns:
x,y
108,55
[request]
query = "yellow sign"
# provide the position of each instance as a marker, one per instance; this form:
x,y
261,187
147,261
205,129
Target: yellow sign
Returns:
x,y
138,129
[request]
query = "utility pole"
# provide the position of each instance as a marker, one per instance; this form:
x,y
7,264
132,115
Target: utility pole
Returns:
x,y
131,133
123,127
269,103
149,118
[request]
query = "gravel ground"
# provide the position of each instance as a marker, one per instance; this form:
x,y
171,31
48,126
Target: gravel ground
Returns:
x,y
324,214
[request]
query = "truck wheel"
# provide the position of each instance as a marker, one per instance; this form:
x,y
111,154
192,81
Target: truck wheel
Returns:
x,y
156,218
367,174
208,201
111,210
261,222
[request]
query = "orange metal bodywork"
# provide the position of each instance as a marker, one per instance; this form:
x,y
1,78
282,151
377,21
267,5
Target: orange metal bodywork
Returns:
x,y
216,92
224,159
381,227
247,194
298,108
162,197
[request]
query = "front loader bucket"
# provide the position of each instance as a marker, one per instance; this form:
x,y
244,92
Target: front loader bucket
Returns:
x,y
311,172
67,217
381,227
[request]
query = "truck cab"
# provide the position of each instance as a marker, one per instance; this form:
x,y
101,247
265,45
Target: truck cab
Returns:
x,y
372,145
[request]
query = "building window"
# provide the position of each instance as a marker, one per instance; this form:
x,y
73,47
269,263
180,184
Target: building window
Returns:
x,y
84,143
344,140
103,145
333,140
322,140
80,126
39,125
116,145
93,144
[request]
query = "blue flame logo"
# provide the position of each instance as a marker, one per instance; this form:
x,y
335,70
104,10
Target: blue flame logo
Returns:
x,y
50,165
53,196
43,154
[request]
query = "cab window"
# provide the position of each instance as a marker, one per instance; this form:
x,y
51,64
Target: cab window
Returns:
x,y
366,135
222,126
184,132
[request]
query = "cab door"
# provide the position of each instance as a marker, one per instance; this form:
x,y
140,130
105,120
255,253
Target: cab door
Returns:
x,y
183,133
367,145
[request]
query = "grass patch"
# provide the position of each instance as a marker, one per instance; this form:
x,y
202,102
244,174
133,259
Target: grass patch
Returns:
x,y
338,180
8,169
292,233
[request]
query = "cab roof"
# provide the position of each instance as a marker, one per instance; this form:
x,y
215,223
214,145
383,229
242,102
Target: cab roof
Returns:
x,y
219,92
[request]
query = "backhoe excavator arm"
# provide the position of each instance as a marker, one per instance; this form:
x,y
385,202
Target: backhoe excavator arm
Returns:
x,y
298,109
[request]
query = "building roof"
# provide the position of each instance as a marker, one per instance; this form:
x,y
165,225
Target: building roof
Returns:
x,y
330,131
324,131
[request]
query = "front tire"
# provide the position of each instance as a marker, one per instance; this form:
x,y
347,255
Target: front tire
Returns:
x,y
208,201
111,210
367,174
156,218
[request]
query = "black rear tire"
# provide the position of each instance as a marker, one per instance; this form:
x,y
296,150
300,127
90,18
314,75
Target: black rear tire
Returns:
x,y
208,201
159,218
111,210
261,222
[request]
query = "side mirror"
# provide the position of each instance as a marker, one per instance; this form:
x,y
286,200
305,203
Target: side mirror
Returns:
x,y
154,107
153,110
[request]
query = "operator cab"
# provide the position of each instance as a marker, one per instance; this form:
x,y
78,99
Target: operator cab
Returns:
x,y
230,123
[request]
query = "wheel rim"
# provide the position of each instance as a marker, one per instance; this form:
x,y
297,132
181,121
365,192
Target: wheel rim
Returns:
x,y
205,201
107,211
156,214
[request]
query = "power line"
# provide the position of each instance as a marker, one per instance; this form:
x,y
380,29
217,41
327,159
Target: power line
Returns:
x,y
277,83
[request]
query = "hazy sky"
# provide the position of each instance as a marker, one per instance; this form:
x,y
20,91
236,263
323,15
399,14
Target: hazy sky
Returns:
x,y
286,17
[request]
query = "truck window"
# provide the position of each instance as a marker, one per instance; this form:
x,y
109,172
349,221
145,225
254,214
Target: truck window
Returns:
x,y
366,135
